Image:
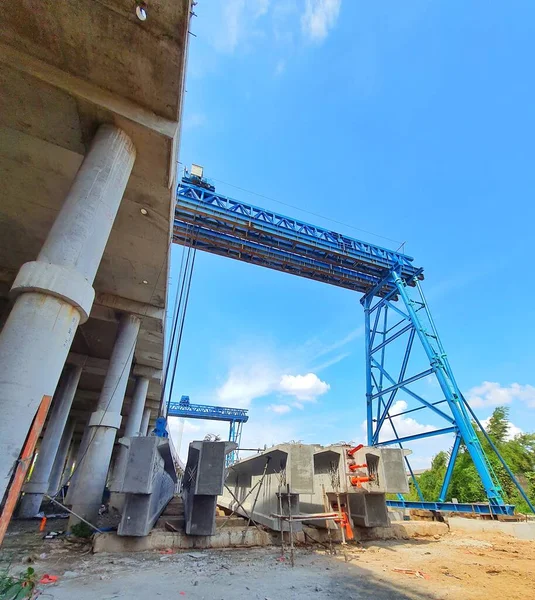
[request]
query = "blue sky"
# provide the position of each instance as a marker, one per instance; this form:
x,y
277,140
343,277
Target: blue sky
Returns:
x,y
412,120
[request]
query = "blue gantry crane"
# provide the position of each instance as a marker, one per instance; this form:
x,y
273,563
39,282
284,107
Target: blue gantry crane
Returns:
x,y
397,319
236,417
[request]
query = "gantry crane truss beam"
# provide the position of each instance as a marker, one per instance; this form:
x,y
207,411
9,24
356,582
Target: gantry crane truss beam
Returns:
x,y
236,417
220,225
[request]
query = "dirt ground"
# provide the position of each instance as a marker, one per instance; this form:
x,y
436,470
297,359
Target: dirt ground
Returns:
x,y
468,566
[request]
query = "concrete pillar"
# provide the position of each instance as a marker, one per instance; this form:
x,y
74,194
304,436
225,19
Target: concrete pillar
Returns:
x,y
64,449
38,484
105,422
69,464
54,293
144,429
82,451
132,428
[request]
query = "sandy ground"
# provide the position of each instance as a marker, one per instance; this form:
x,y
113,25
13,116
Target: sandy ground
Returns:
x,y
457,566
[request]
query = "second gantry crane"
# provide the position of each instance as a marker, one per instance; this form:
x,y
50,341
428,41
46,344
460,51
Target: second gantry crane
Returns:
x,y
236,417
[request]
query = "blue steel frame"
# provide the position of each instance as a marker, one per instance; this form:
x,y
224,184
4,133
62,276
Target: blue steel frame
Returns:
x,y
412,320
236,417
220,225
227,227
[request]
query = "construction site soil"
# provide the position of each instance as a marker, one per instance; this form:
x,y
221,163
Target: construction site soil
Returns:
x,y
459,565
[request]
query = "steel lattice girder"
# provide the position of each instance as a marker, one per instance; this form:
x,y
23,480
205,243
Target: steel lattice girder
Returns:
x,y
212,413
221,225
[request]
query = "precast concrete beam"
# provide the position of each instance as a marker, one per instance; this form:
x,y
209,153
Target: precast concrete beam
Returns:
x,y
132,428
52,441
133,307
147,372
104,423
99,366
53,294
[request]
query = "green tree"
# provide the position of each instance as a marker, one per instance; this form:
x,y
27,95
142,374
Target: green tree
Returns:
x,y
498,426
465,485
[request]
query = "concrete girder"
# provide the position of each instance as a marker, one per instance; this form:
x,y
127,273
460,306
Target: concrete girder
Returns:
x,y
99,366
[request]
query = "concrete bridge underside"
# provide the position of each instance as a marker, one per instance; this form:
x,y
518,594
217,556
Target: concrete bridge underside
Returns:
x,y
77,76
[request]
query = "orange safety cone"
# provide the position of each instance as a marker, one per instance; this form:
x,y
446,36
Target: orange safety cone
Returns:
x,y
42,525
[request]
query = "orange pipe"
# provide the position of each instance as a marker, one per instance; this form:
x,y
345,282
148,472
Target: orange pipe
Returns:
x,y
23,465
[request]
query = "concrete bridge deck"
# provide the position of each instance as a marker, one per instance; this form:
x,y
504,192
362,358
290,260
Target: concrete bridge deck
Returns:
x,y
67,68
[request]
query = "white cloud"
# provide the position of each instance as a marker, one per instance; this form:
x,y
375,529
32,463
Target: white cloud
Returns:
x,y
280,68
194,120
244,384
247,383
405,426
191,427
279,409
232,24
237,22
332,361
304,387
260,7
512,429
491,393
319,17
352,335
263,428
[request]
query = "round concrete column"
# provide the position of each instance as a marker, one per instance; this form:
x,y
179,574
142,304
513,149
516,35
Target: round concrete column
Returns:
x,y
52,438
82,450
61,458
132,428
54,293
69,463
144,429
104,423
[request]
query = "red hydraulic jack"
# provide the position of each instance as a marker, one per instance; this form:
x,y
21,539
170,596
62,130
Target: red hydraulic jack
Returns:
x,y
358,481
356,467
355,450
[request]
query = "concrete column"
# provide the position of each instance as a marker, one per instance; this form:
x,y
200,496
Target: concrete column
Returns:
x,y
53,294
144,429
105,422
38,484
132,428
69,463
61,458
82,451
